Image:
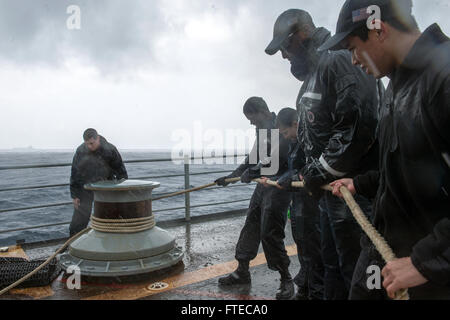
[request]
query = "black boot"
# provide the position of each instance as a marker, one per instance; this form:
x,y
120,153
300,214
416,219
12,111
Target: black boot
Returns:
x,y
301,294
240,276
286,289
235,278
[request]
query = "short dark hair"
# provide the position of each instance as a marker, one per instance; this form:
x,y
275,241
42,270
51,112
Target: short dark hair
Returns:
x,y
90,134
286,118
255,105
405,21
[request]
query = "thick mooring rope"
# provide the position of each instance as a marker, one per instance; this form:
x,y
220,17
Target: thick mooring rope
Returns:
x,y
185,191
231,180
123,225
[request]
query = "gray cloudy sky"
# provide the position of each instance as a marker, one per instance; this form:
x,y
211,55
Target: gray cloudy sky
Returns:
x,y
139,70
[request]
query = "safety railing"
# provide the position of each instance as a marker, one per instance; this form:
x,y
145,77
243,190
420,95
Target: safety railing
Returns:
x,y
187,174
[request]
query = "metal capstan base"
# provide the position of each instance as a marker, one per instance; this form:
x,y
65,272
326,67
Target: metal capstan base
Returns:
x,y
104,254
108,269
99,254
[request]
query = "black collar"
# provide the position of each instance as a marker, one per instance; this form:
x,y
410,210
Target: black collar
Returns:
x,y
420,55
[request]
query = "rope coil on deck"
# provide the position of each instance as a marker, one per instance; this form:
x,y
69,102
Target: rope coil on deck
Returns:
x,y
123,225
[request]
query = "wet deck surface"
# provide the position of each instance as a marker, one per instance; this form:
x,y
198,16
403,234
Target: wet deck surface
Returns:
x,y
209,253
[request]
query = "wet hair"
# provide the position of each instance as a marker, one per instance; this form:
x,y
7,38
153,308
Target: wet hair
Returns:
x,y
255,105
286,118
90,134
404,22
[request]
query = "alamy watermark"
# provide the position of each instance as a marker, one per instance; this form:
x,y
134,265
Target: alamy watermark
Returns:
x,y
73,22
73,282
371,14
374,277
374,20
216,147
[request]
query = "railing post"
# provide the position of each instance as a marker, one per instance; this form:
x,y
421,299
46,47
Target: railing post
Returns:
x,y
187,199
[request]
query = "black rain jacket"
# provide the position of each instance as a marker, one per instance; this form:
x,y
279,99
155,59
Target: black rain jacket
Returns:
x,y
412,188
88,167
338,115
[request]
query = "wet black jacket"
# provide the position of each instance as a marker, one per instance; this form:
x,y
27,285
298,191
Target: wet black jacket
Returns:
x,y
338,115
87,167
412,188
254,162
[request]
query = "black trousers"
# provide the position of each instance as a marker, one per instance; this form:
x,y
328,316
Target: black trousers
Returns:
x,y
340,242
82,215
265,223
305,220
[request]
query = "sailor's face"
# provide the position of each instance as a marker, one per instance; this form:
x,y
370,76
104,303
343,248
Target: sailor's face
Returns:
x,y
256,119
290,133
295,50
93,144
370,55
293,46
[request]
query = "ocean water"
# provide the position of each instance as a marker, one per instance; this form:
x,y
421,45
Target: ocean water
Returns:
x,y
61,175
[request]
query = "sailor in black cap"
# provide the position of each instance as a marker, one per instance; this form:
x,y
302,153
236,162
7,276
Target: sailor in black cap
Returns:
x,y
412,187
337,107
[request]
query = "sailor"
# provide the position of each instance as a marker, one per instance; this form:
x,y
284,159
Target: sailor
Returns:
x,y
411,189
95,160
267,213
304,215
337,107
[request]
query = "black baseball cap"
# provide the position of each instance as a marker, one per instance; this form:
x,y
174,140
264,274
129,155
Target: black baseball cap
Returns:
x,y
355,13
287,23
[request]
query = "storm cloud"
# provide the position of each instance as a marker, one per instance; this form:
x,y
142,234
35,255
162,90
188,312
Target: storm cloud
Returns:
x,y
147,67
113,33
119,34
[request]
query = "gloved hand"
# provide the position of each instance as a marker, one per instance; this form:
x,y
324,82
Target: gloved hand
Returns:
x,y
221,181
314,177
250,174
285,181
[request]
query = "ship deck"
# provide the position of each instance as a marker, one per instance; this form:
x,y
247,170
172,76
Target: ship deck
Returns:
x,y
209,244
